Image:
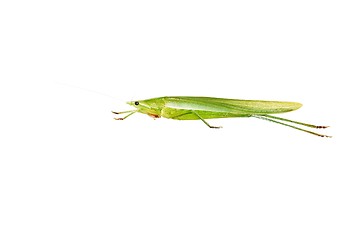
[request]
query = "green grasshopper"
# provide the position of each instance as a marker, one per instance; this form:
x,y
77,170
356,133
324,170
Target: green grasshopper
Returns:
x,y
201,108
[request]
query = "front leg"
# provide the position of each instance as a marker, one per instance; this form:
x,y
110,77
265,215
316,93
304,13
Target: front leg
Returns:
x,y
131,113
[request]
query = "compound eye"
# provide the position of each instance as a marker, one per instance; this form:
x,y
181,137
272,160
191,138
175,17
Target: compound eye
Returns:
x,y
136,103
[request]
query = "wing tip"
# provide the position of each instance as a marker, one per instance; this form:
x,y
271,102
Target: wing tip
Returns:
x,y
298,105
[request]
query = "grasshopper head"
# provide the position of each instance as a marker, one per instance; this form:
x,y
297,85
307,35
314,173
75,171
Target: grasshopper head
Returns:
x,y
152,107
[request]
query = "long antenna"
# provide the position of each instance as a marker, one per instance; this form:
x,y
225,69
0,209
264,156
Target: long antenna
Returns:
x,y
86,89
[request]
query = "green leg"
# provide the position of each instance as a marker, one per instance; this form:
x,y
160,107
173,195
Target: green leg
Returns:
x,y
205,121
123,112
125,116
287,120
284,124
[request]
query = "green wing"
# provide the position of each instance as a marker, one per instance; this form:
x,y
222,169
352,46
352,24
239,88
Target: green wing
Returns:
x,y
234,106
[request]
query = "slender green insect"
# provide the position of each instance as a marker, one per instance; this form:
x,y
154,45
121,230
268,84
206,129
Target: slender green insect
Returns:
x,y
201,108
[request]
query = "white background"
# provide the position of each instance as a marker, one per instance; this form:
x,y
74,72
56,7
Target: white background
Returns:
x,y
69,171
